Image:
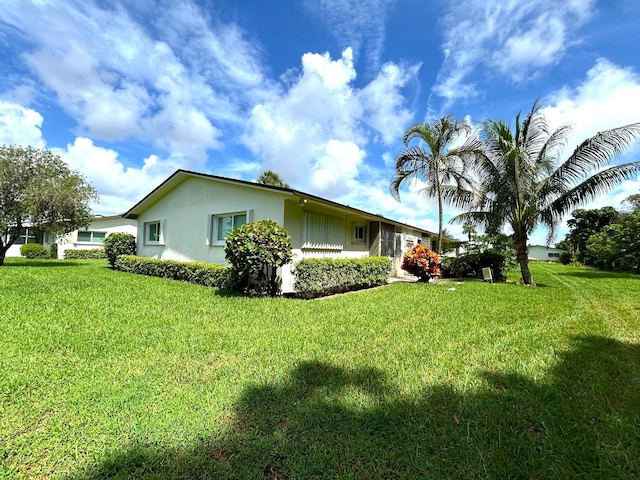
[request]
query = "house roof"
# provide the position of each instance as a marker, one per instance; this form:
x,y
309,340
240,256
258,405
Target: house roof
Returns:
x,y
179,176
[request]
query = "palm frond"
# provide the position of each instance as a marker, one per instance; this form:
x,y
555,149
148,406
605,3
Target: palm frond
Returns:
x,y
594,186
596,152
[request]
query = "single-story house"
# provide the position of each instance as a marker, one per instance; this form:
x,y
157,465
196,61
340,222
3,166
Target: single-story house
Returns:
x,y
83,239
544,253
94,234
29,234
189,215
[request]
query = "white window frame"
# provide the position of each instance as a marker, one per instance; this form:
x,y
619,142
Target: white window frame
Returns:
x,y
90,232
363,238
212,225
147,227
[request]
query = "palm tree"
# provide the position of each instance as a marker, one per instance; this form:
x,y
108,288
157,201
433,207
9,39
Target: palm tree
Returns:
x,y
469,229
522,186
442,168
269,177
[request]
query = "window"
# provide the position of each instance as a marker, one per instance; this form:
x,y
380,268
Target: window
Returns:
x,y
360,233
221,224
322,231
154,232
91,237
28,235
554,255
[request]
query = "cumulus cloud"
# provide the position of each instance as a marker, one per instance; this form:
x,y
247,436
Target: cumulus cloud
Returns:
x,y
315,132
20,125
512,39
599,103
172,83
119,186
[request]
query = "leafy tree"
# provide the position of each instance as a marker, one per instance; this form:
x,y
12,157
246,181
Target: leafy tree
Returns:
x,y
633,201
254,252
269,177
434,161
586,223
38,190
522,186
118,243
617,246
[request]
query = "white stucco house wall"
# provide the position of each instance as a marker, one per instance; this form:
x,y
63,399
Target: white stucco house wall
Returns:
x,y
544,253
188,216
94,234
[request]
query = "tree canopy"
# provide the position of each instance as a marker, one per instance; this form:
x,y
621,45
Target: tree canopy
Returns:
x,y
269,177
38,190
522,185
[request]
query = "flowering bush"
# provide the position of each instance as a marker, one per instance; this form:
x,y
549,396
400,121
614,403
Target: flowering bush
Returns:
x,y
421,262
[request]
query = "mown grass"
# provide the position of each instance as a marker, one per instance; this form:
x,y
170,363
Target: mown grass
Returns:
x,y
111,375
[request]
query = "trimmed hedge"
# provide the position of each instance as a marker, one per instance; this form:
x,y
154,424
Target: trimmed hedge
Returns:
x,y
34,250
200,273
88,254
316,277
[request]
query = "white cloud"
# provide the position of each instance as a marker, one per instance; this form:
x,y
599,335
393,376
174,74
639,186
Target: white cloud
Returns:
x,y
20,125
119,186
511,38
315,132
171,84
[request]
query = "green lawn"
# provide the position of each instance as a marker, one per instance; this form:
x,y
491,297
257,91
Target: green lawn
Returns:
x,y
111,375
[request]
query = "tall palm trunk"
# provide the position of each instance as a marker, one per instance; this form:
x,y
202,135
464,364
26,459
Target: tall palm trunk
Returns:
x,y
522,255
440,209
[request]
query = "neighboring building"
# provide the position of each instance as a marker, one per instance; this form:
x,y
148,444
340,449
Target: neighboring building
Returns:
x,y
189,215
29,235
544,253
93,236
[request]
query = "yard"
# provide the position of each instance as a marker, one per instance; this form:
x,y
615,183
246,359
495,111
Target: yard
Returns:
x,y
109,375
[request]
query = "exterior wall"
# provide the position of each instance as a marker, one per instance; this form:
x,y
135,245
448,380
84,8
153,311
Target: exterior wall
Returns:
x,y
14,250
294,224
106,224
544,253
185,214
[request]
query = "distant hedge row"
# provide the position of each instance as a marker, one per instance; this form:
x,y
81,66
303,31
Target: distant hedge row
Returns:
x,y
200,273
315,277
91,253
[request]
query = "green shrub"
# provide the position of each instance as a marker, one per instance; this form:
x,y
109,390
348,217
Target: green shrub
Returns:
x,y
89,254
254,252
199,273
471,265
33,250
53,250
315,277
119,243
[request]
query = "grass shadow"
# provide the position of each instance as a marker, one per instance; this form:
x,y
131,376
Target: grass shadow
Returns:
x,y
41,263
323,421
595,274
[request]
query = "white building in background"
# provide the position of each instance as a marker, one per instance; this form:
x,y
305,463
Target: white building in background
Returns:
x,y
93,235
84,239
544,253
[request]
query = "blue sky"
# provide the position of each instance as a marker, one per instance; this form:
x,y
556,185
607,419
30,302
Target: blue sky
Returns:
x,y
319,91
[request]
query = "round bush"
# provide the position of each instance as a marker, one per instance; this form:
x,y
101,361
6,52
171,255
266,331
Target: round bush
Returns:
x,y
119,243
33,250
254,252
